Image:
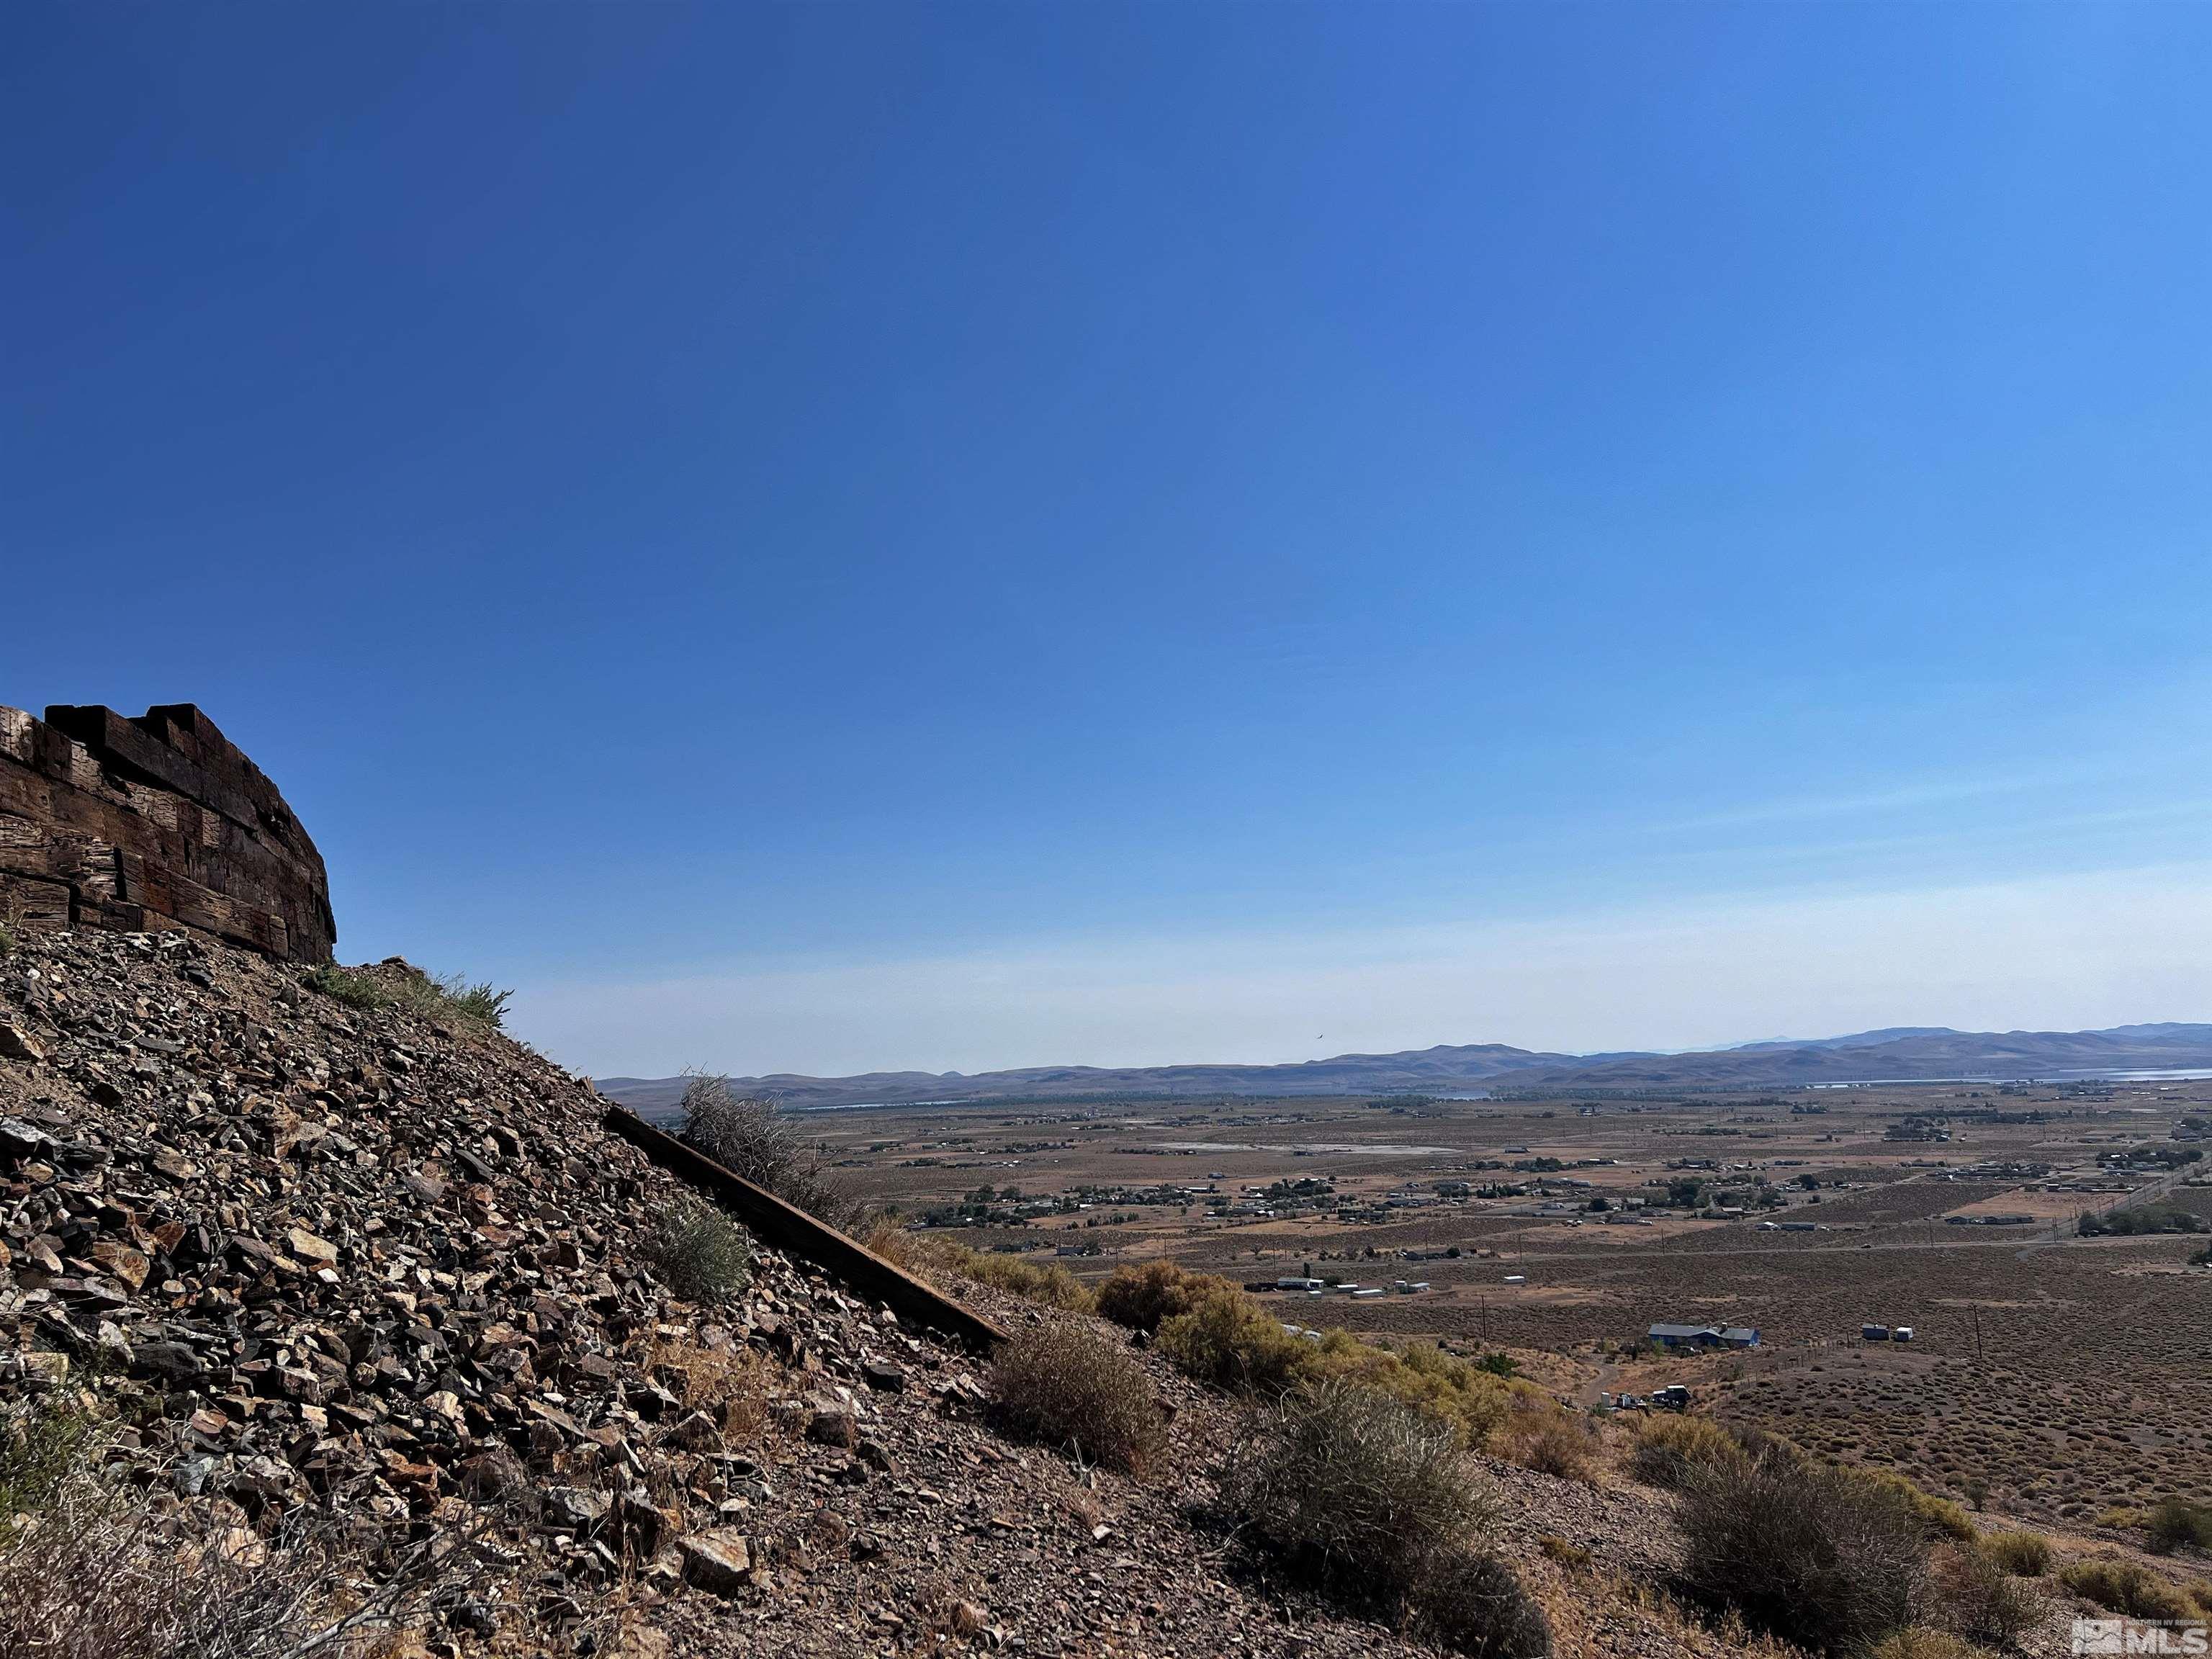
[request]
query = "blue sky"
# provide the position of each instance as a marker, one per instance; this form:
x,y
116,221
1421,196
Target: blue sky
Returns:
x,y
820,538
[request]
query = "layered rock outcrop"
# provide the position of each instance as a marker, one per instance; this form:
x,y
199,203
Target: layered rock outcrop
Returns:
x,y
150,824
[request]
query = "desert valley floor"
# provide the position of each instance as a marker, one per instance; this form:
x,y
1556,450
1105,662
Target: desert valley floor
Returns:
x,y
2054,1374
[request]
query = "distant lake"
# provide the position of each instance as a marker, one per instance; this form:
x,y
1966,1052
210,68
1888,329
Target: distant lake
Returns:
x,y
2184,1074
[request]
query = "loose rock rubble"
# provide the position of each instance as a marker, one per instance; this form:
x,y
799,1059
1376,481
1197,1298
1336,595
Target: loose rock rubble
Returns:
x,y
359,1264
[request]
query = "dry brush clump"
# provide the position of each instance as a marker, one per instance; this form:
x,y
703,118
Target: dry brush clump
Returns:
x,y
1971,1593
1063,1383
2175,1524
1915,1642
101,1573
2123,1587
1368,1499
1667,1451
1813,1554
758,1140
1541,1435
732,1384
2023,1554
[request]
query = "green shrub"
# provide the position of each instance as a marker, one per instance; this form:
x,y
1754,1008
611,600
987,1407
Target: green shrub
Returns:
x,y
1063,1384
2176,1524
400,986
700,1253
1143,1296
1226,1340
1668,1449
2023,1554
1815,1554
2124,1587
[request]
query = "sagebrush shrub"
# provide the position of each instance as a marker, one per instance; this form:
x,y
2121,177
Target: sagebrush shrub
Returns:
x,y
1367,1498
1473,1604
1543,1435
1353,1488
1812,1553
1064,1384
700,1253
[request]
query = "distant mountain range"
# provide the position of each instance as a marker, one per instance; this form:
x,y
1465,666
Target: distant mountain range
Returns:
x,y
1903,1053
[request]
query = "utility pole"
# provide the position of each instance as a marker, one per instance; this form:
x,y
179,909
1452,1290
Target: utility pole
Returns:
x,y
1978,1338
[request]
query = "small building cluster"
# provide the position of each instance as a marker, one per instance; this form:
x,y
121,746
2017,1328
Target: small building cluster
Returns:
x,y
1703,1336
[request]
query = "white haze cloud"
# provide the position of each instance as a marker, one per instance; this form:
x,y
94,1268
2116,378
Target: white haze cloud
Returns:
x,y
2061,952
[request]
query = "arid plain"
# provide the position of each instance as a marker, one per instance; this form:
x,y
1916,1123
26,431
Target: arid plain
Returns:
x,y
2050,1373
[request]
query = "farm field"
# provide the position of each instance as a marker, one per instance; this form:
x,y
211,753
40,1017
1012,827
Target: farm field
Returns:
x,y
2050,1375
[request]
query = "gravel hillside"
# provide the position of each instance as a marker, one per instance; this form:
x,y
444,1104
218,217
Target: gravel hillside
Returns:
x,y
371,1266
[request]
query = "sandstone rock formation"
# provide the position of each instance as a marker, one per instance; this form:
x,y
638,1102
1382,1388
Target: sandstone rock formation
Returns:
x,y
151,824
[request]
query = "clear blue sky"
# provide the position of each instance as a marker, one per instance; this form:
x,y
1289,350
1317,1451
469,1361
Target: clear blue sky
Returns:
x,y
808,537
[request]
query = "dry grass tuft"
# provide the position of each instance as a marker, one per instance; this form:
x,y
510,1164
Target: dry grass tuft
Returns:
x,y
1916,1642
100,1574
731,1384
400,986
942,1259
